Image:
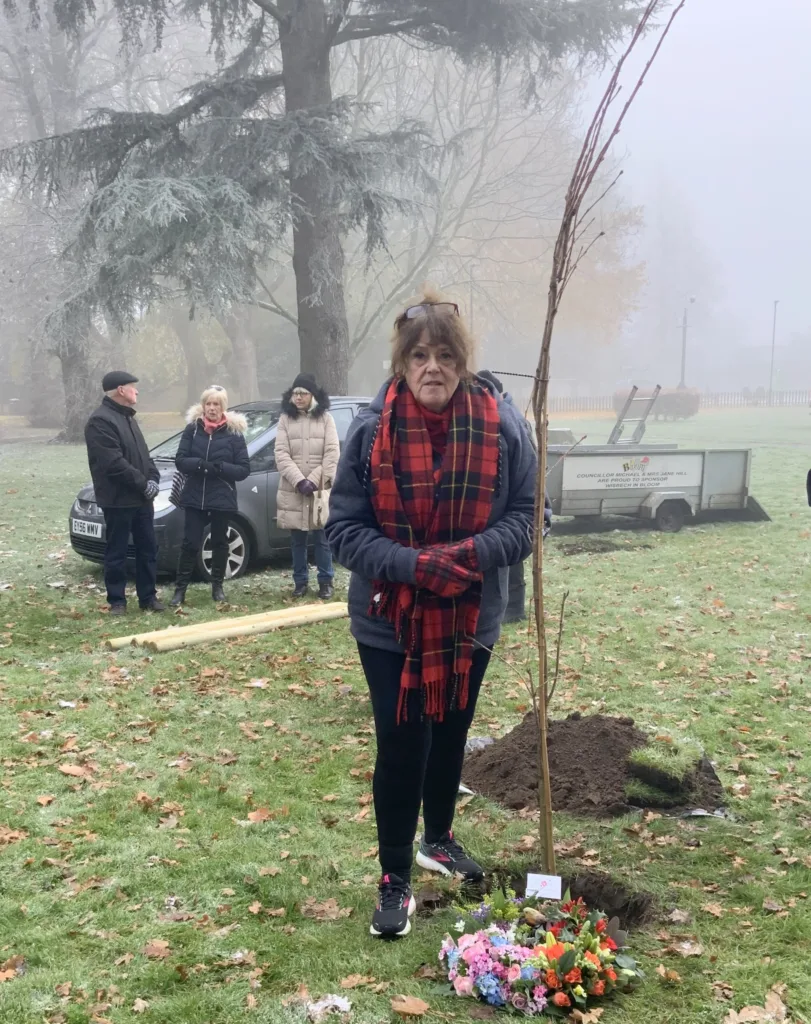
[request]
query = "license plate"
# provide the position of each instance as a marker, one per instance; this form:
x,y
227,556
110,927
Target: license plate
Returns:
x,y
82,528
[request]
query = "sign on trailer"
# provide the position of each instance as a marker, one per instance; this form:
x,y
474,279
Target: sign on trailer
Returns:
x,y
634,471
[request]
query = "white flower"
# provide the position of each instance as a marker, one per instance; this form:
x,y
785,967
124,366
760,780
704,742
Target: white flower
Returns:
x,y
459,926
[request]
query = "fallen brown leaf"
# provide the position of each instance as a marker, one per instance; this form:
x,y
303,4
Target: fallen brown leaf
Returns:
x,y
45,801
255,907
260,814
326,911
269,871
679,917
409,1006
356,980
140,1006
77,771
156,949
589,1017
713,908
672,977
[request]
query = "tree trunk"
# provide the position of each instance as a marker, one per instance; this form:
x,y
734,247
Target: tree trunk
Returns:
x,y
318,256
243,357
82,391
199,371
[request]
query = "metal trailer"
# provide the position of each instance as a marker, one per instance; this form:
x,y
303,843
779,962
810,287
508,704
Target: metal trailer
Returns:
x,y
661,483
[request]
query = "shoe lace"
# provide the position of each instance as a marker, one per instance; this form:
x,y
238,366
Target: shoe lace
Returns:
x,y
452,847
392,894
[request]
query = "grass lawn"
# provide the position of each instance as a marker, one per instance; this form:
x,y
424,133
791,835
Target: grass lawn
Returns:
x,y
169,825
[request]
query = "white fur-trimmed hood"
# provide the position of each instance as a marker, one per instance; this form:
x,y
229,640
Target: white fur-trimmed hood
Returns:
x,y
237,424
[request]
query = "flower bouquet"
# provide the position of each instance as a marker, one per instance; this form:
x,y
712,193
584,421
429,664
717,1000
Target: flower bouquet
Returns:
x,y
537,958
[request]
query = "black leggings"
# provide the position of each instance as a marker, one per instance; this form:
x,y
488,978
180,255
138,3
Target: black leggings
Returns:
x,y
418,761
193,529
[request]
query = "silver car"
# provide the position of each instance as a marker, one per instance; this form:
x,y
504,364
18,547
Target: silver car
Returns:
x,y
252,531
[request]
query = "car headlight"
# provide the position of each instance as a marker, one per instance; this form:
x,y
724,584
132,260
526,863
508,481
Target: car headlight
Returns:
x,y
161,502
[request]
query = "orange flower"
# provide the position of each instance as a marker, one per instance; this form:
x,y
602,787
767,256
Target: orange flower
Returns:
x,y
555,951
593,958
611,974
561,999
552,980
573,977
608,943
601,926
597,989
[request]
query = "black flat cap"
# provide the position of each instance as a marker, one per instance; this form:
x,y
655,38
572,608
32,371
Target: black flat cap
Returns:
x,y
117,379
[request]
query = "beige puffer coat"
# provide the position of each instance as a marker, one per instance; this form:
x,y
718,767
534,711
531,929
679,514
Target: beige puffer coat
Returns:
x,y
306,448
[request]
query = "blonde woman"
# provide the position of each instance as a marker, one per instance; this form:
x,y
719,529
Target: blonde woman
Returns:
x,y
213,456
307,452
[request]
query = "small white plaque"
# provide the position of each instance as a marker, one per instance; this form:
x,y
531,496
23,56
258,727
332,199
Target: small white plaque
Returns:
x,y
547,887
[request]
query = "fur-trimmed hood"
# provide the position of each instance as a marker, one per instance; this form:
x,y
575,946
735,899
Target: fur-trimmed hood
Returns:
x,y
235,421
318,394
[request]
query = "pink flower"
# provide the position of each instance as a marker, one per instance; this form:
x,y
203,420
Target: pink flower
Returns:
x,y
513,973
471,953
463,986
539,994
465,941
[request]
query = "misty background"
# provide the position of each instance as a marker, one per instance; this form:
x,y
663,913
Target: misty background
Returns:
x,y
707,216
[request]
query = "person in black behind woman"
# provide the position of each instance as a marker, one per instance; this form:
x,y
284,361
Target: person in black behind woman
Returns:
x,y
125,483
517,602
213,456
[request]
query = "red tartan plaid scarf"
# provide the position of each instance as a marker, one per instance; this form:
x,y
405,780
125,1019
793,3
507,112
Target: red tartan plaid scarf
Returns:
x,y
412,509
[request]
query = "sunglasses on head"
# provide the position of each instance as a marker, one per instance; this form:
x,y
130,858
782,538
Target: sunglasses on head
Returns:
x,y
215,387
442,308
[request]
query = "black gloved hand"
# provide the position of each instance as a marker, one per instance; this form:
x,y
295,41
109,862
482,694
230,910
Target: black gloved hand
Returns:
x,y
151,490
216,467
306,487
204,467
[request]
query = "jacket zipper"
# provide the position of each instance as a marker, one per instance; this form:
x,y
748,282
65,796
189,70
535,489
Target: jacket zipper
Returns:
x,y
203,499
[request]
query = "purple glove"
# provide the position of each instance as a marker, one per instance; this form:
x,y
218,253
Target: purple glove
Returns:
x,y
306,487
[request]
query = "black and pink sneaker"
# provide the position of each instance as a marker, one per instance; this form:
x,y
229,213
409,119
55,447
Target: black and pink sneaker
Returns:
x,y
449,857
395,908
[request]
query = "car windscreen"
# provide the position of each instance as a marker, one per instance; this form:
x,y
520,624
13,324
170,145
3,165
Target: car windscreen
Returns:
x,y
259,420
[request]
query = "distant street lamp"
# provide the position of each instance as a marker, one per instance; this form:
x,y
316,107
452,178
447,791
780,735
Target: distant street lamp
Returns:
x,y
774,336
682,383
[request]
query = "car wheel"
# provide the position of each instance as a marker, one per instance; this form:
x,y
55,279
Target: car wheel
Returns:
x,y
239,552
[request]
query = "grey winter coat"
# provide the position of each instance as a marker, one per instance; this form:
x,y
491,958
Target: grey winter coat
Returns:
x,y
359,545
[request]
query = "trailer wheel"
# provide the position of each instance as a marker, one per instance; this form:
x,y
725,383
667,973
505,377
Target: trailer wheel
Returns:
x,y
670,516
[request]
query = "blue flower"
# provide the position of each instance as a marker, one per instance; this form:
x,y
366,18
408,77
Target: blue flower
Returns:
x,y
452,957
499,940
529,973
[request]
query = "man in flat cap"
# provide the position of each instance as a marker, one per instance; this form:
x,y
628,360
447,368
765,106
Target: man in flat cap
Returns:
x,y
125,480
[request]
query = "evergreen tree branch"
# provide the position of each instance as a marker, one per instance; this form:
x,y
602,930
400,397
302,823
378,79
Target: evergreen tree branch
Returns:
x,y
270,8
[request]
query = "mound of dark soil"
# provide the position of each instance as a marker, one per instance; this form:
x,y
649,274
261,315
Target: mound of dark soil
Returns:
x,y
588,763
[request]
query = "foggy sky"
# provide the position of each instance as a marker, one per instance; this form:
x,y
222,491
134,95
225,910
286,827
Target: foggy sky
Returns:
x,y
725,116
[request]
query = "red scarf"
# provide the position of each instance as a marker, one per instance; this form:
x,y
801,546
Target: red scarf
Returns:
x,y
211,427
437,632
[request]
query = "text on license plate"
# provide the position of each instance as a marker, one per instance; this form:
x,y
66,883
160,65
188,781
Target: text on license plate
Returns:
x,y
85,529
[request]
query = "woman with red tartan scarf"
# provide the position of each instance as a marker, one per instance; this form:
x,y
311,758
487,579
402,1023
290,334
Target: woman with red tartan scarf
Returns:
x,y
432,502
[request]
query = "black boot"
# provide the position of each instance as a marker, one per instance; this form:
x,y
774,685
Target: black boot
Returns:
x,y
217,593
301,590
185,568
325,591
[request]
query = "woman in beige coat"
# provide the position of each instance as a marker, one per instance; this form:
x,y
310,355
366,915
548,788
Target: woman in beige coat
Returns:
x,y
307,452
